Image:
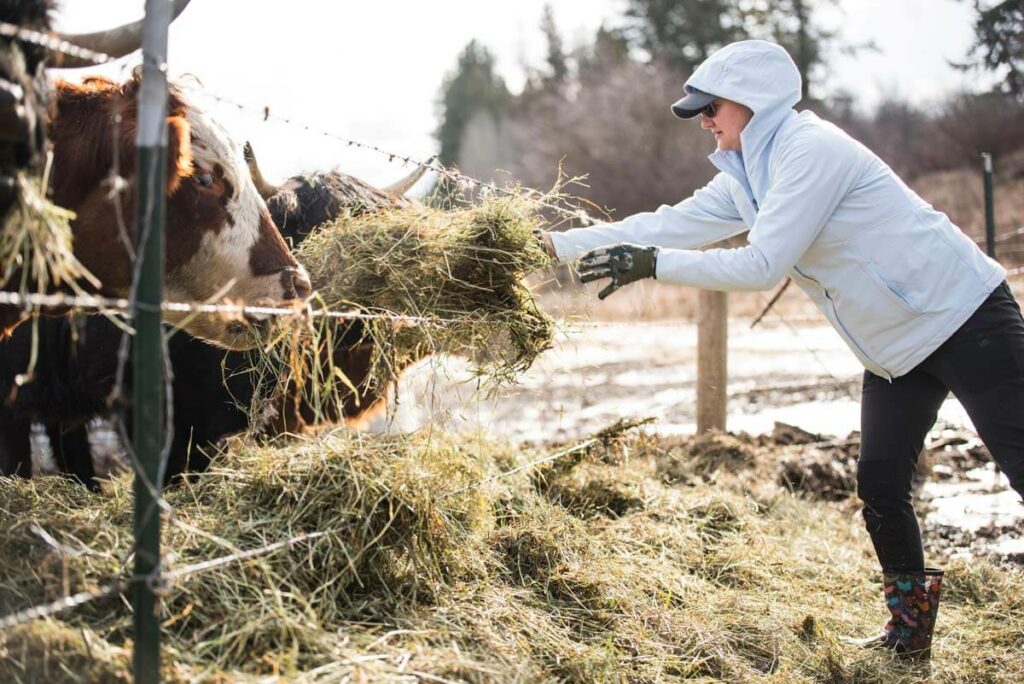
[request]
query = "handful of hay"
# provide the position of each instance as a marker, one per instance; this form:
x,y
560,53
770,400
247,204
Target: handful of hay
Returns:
x,y
459,273
35,243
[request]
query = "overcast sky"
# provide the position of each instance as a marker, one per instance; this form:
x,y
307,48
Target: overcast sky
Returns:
x,y
372,71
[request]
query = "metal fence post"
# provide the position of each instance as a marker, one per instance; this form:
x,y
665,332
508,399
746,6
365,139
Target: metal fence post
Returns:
x,y
990,213
148,385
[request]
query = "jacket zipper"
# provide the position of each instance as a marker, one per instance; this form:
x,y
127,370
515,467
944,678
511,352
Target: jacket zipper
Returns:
x,y
835,314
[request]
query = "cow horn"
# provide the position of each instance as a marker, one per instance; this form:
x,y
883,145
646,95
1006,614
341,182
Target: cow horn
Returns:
x,y
265,189
405,184
116,42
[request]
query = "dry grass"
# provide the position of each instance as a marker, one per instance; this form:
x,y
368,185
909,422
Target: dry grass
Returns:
x,y
462,270
960,194
36,254
456,276
722,576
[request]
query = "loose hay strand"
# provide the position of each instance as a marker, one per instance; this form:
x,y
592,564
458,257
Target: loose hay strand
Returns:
x,y
462,268
453,279
36,253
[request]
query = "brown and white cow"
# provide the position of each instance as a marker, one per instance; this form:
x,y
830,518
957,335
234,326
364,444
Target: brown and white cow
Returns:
x,y
211,387
28,100
221,241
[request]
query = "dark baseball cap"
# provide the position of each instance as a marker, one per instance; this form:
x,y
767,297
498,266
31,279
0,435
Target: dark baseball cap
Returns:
x,y
691,104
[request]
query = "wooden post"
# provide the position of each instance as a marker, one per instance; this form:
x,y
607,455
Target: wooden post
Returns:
x,y
148,380
712,348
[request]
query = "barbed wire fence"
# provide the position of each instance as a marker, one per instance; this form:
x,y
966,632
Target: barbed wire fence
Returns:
x,y
54,44
128,307
124,307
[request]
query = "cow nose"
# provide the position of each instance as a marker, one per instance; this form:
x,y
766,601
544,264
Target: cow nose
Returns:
x,y
300,288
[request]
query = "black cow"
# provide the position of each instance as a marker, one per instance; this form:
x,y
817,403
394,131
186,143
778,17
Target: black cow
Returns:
x,y
23,96
63,391
75,379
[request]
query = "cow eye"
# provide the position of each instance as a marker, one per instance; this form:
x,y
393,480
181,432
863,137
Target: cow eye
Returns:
x,y
205,179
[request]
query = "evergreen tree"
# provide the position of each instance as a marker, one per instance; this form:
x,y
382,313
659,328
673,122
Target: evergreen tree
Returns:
x,y
610,49
791,24
682,33
558,64
999,42
473,86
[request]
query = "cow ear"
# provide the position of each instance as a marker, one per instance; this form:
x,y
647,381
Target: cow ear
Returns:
x,y
179,151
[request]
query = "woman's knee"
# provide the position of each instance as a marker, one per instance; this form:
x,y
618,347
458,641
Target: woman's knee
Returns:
x,y
875,481
882,490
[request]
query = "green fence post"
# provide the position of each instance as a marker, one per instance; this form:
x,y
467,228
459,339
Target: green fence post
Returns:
x,y
990,213
148,374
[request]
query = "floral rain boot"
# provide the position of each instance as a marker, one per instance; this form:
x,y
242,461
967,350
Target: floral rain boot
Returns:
x,y
913,602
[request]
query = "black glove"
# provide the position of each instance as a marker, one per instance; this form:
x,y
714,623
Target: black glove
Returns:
x,y
623,263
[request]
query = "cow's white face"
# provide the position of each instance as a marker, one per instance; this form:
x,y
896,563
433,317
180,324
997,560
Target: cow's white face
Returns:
x,y
237,252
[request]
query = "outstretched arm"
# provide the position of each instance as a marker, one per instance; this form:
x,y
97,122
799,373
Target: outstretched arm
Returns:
x,y
812,179
706,217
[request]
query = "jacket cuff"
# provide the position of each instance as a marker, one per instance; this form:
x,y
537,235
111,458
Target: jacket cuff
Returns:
x,y
676,266
565,251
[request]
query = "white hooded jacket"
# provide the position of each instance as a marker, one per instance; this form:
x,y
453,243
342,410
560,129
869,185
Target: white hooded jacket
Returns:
x,y
894,276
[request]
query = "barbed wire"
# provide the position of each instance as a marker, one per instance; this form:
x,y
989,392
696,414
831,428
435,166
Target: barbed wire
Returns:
x,y
53,43
30,302
64,47
38,301
840,384
46,610
264,113
981,240
1002,237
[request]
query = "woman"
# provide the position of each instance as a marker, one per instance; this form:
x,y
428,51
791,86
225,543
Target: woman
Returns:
x,y
918,303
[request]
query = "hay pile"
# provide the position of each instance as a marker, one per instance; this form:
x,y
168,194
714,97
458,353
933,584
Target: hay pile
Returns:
x,y
507,582
36,254
461,270
458,273
705,456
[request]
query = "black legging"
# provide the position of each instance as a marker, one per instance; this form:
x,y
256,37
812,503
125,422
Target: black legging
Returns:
x,y
982,363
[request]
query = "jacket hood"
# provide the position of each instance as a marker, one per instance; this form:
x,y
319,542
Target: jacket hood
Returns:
x,y
762,76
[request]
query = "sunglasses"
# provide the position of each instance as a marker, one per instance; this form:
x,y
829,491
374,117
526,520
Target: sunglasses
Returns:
x,y
709,110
